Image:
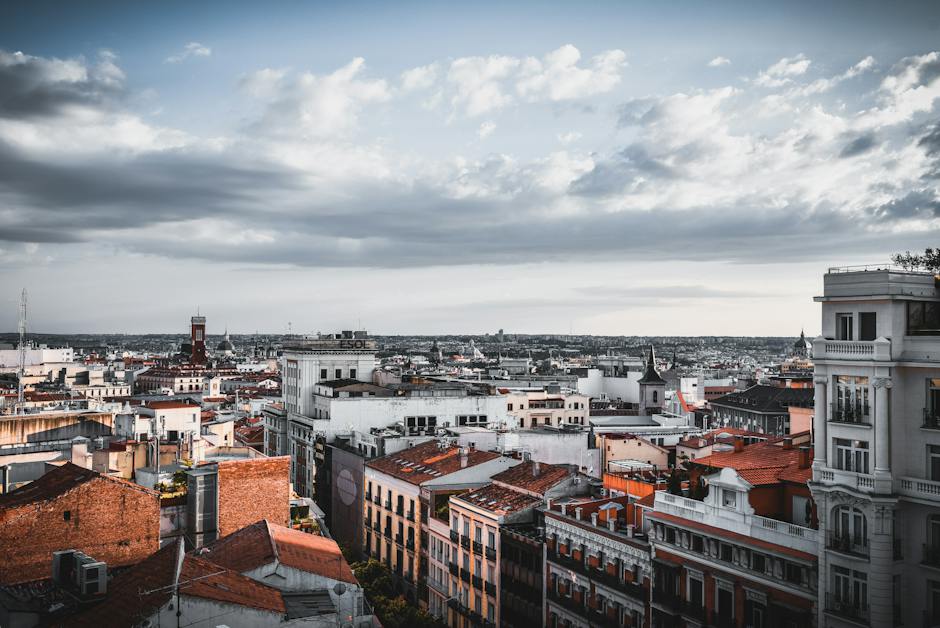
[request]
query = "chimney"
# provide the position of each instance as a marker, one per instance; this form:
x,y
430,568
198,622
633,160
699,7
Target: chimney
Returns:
x,y
738,444
629,529
593,518
463,458
536,469
804,457
564,509
612,524
577,513
787,443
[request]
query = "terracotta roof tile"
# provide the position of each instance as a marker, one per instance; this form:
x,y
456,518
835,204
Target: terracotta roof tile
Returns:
x,y
57,482
524,476
262,542
427,461
499,500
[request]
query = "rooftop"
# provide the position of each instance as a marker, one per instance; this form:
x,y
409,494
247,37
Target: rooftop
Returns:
x,y
264,542
500,500
767,399
535,477
59,481
428,461
170,405
768,462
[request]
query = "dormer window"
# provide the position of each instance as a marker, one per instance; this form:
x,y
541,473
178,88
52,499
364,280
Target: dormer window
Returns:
x,y
729,498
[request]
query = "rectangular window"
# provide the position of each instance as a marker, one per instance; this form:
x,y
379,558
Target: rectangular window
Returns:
x,y
866,326
339,373
323,374
352,373
933,462
851,455
923,319
729,499
850,589
851,400
844,327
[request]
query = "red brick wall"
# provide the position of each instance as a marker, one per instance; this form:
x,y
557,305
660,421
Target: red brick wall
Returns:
x,y
108,520
251,490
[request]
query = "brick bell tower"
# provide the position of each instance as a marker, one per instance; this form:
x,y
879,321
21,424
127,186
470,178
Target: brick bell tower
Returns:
x,y
198,340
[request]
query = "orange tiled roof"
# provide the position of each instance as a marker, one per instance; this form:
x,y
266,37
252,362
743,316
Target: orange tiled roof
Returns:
x,y
427,461
264,542
499,500
170,405
768,462
523,476
57,482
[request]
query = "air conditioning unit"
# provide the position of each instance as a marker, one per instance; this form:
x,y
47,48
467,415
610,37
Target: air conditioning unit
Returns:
x,y
93,578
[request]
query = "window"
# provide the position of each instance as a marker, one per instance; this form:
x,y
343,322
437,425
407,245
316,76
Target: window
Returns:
x,y
932,411
850,589
852,455
844,327
933,462
323,374
866,326
851,403
67,515
850,530
729,499
352,373
466,527
923,319
758,562
490,612
478,534
339,373
490,538
696,592
725,552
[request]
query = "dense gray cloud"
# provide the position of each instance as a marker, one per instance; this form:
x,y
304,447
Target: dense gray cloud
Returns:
x,y
294,187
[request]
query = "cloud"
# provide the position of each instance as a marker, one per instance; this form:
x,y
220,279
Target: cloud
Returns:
x,y
689,175
558,77
861,144
717,62
311,105
486,129
419,78
783,71
192,49
480,85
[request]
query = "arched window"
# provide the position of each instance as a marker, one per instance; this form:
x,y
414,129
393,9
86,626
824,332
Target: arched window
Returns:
x,y
849,529
655,396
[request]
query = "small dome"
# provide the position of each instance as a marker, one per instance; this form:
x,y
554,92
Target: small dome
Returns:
x,y
226,344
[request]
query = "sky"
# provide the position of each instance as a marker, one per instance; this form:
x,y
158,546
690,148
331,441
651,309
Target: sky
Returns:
x,y
636,168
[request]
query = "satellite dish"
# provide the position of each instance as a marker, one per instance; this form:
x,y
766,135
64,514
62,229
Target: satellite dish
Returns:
x,y
339,588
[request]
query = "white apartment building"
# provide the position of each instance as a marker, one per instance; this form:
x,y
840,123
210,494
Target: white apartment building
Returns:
x,y
36,354
553,407
876,473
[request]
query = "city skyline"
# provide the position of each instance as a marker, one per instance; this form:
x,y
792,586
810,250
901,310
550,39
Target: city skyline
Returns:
x,y
616,168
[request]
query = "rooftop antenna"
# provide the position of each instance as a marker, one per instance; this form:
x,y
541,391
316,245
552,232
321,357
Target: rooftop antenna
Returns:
x,y
22,357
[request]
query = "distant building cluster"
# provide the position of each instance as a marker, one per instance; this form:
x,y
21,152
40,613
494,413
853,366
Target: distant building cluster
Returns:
x,y
498,480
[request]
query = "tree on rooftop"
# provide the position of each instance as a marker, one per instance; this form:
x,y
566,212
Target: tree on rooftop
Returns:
x,y
929,260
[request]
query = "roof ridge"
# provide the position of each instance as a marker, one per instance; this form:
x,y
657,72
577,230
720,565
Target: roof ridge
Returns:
x,y
267,526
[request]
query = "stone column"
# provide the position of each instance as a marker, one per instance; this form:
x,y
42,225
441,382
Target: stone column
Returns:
x,y
882,427
820,416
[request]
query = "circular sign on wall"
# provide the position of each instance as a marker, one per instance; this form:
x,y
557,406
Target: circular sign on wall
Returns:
x,y
346,487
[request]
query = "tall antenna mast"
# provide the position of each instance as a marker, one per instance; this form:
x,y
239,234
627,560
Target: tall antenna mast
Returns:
x,y
22,363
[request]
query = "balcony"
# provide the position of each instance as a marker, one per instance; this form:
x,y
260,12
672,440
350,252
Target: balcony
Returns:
x,y
410,515
846,607
566,561
490,588
398,538
918,488
400,511
568,603
667,599
377,500
491,553
763,528
931,419
862,482
477,582
454,536
376,525
850,414
410,544
465,541
388,504
477,547
866,350
465,574
847,544
388,533
931,555
368,496
453,569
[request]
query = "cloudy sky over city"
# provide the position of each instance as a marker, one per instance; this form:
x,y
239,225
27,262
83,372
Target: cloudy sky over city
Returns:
x,y
609,168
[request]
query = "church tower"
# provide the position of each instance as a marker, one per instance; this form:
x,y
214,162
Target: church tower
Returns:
x,y
652,387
